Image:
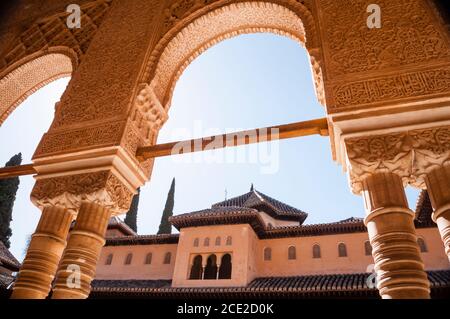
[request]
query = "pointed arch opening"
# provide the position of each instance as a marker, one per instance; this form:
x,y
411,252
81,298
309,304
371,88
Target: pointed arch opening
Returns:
x,y
179,48
196,268
225,267
211,268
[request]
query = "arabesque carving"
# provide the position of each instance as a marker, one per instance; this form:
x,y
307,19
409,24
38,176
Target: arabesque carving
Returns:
x,y
53,32
102,187
410,155
409,35
195,29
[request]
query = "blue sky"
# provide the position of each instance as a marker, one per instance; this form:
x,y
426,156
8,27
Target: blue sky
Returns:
x,y
246,82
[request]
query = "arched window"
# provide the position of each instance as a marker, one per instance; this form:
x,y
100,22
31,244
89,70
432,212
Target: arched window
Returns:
x,y
148,259
229,241
167,258
292,253
217,241
368,248
316,251
206,242
422,245
196,242
342,250
211,268
225,267
267,253
196,269
109,259
128,259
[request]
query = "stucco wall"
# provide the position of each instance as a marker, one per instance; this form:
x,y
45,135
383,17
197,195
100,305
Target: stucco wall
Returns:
x,y
239,248
330,262
248,259
137,269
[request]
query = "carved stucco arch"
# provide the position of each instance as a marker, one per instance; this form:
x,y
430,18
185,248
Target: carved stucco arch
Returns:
x,y
28,75
219,21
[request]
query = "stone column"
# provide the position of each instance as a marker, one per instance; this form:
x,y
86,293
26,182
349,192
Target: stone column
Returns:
x,y
218,263
204,262
79,262
438,185
390,224
44,253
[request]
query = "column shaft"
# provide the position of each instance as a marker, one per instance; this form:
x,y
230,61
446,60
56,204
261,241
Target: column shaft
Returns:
x,y
79,262
390,224
44,253
438,185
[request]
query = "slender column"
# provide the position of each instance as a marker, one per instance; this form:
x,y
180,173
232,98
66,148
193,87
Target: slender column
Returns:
x,y
204,262
218,263
44,253
438,185
79,262
390,224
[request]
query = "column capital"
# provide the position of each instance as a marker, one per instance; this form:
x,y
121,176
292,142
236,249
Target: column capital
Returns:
x,y
102,187
410,154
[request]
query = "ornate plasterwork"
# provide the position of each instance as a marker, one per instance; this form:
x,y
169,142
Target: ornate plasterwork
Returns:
x,y
410,154
29,77
53,32
147,118
102,134
102,188
407,58
148,114
170,59
394,87
409,34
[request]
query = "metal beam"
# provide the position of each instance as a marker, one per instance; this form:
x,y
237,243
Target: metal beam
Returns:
x,y
271,133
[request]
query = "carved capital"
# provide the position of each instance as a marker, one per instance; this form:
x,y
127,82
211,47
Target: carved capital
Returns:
x,y
409,154
148,113
103,188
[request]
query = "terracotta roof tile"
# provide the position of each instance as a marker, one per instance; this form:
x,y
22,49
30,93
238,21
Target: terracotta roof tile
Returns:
x,y
143,240
424,210
256,199
7,259
325,284
5,280
117,223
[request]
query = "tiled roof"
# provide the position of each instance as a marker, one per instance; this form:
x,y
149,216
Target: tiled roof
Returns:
x,y
143,240
258,200
424,210
5,280
324,285
351,225
117,223
7,259
219,216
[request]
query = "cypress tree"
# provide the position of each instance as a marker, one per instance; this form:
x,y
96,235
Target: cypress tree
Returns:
x,y
165,227
8,190
131,217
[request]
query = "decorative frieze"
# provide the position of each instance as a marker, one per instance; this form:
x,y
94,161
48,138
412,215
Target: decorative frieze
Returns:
x,y
394,87
70,140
